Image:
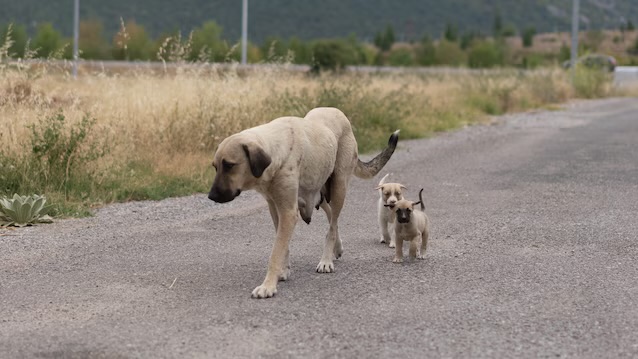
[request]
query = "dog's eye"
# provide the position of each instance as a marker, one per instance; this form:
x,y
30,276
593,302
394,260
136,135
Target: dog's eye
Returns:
x,y
227,165
386,193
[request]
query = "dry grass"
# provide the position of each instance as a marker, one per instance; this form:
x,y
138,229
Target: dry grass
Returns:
x,y
167,126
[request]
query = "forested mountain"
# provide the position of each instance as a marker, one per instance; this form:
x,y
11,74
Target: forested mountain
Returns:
x,y
307,19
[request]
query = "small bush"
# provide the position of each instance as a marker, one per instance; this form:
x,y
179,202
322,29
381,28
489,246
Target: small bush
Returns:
x,y
485,54
401,57
332,55
591,83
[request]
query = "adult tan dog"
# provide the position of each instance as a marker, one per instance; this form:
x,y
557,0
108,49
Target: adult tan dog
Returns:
x,y
297,164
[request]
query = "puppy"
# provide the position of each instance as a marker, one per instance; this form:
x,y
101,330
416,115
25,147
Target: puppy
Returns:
x,y
389,194
411,225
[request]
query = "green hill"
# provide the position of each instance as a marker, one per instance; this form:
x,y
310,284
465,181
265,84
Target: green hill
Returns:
x,y
307,19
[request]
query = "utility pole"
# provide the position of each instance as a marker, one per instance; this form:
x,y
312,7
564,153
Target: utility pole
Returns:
x,y
574,52
76,36
244,30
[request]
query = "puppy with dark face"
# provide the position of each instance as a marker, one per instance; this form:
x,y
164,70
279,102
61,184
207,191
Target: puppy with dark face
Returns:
x,y
411,225
389,194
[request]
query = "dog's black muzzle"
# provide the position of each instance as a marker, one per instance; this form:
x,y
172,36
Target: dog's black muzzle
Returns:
x,y
222,196
403,219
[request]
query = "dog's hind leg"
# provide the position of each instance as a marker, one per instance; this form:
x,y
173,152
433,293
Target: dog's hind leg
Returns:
x,y
333,247
338,247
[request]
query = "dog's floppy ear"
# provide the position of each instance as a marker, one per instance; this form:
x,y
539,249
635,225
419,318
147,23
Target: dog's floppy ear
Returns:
x,y
415,203
404,187
258,159
378,187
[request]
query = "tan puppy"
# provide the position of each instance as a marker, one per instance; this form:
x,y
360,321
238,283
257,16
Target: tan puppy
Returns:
x,y
297,164
411,225
389,193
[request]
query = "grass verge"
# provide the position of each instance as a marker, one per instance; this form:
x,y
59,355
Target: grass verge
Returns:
x,y
135,136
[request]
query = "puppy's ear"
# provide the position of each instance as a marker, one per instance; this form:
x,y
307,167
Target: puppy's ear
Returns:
x,y
257,157
404,187
415,203
391,206
378,187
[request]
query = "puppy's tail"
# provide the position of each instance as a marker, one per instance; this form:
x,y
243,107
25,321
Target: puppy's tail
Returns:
x,y
382,182
370,169
421,201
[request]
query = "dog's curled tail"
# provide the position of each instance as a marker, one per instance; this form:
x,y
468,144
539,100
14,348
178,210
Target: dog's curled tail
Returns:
x,y
421,201
370,169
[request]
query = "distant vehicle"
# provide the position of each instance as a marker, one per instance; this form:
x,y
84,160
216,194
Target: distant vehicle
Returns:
x,y
594,61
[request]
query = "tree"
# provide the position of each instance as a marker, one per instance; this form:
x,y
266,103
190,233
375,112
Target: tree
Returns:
x,y
132,43
301,51
401,56
497,26
48,41
332,55
207,43
468,38
449,53
384,40
528,36
451,33
485,54
17,34
92,43
426,53
274,49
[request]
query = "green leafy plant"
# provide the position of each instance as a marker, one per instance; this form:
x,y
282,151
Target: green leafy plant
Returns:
x,y
23,211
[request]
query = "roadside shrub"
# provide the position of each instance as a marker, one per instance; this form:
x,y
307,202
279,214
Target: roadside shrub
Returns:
x,y
591,82
485,54
332,55
449,53
401,56
62,154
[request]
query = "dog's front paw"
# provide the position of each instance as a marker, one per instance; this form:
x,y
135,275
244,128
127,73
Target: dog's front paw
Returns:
x,y
397,260
393,244
420,256
264,291
325,267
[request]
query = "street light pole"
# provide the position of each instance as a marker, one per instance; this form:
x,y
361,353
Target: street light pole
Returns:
x,y
574,52
244,31
76,36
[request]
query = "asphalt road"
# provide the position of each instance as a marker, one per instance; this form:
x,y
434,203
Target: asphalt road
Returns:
x,y
533,253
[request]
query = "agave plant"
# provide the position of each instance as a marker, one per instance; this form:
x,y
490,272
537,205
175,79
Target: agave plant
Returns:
x,y
23,211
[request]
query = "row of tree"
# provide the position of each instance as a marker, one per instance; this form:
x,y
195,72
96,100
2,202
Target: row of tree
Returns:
x,y
206,43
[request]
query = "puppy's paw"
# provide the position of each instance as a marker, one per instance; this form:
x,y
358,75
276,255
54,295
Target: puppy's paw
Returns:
x,y
325,267
264,291
382,240
420,256
393,244
338,252
283,276
397,260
